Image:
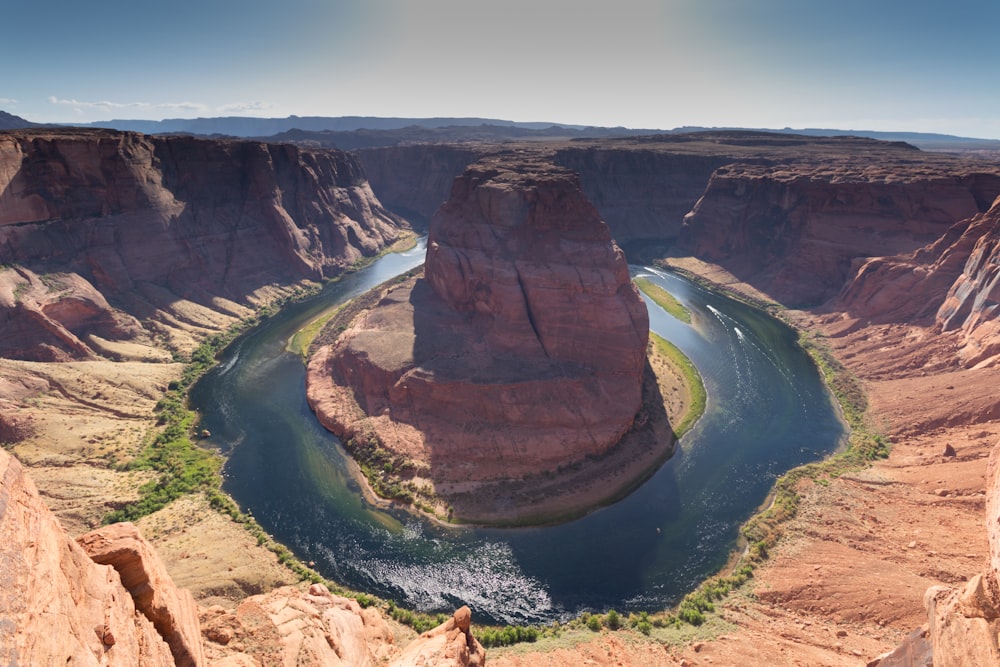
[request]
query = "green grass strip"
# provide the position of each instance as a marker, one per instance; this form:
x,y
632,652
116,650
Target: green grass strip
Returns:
x,y
692,378
664,299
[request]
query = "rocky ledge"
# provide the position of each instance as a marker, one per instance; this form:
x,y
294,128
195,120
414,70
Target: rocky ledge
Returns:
x,y
518,356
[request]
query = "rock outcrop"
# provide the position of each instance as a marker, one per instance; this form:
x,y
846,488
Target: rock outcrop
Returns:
x,y
315,628
57,606
171,610
91,217
796,231
521,352
949,285
964,622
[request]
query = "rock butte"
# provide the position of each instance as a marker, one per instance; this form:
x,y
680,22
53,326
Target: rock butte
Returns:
x,y
890,253
521,351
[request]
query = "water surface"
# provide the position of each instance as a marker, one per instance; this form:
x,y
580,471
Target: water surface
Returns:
x,y
767,412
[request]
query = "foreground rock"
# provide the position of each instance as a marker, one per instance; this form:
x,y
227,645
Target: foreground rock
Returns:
x,y
171,610
315,628
106,599
57,606
520,353
965,620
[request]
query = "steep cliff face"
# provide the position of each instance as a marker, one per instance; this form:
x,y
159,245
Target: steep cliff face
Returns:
x,y
642,193
795,232
528,256
971,304
57,606
949,285
415,180
522,352
146,222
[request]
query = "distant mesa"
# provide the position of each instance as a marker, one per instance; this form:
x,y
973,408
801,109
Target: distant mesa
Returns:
x,y
485,384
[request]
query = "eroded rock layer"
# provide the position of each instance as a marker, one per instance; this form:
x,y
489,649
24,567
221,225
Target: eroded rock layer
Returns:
x,y
521,352
89,218
950,285
57,606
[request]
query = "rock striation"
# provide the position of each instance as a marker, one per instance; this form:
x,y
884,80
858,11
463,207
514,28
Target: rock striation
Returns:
x,y
520,352
106,599
949,285
58,606
91,217
797,231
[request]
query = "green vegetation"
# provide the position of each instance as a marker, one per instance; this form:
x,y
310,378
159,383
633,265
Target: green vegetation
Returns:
x,y
182,466
20,289
304,337
664,299
692,378
491,637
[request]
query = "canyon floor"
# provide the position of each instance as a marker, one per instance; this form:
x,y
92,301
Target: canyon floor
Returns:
x,y
845,585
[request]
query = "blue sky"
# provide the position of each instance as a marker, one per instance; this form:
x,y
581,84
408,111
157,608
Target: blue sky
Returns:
x,y
847,64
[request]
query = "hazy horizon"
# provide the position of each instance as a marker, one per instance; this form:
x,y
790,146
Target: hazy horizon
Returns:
x,y
652,64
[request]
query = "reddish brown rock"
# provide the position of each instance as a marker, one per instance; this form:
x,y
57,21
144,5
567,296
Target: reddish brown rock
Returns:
x,y
314,628
949,284
797,230
965,621
451,644
147,222
57,606
171,610
522,351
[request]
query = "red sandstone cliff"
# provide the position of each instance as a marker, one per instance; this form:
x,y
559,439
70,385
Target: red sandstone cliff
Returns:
x,y
949,285
795,232
92,217
58,606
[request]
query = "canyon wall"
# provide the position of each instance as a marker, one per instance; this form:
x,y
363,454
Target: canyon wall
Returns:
x,y
794,215
797,232
94,218
642,193
415,180
949,285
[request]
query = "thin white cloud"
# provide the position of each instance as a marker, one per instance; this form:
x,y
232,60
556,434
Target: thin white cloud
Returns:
x,y
107,105
7,100
243,107
80,106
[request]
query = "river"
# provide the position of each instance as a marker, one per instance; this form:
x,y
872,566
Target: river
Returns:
x,y
768,411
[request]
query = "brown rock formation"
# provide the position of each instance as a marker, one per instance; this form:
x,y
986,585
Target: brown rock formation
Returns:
x,y
965,621
949,285
314,628
522,351
451,643
798,230
149,222
171,610
57,606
